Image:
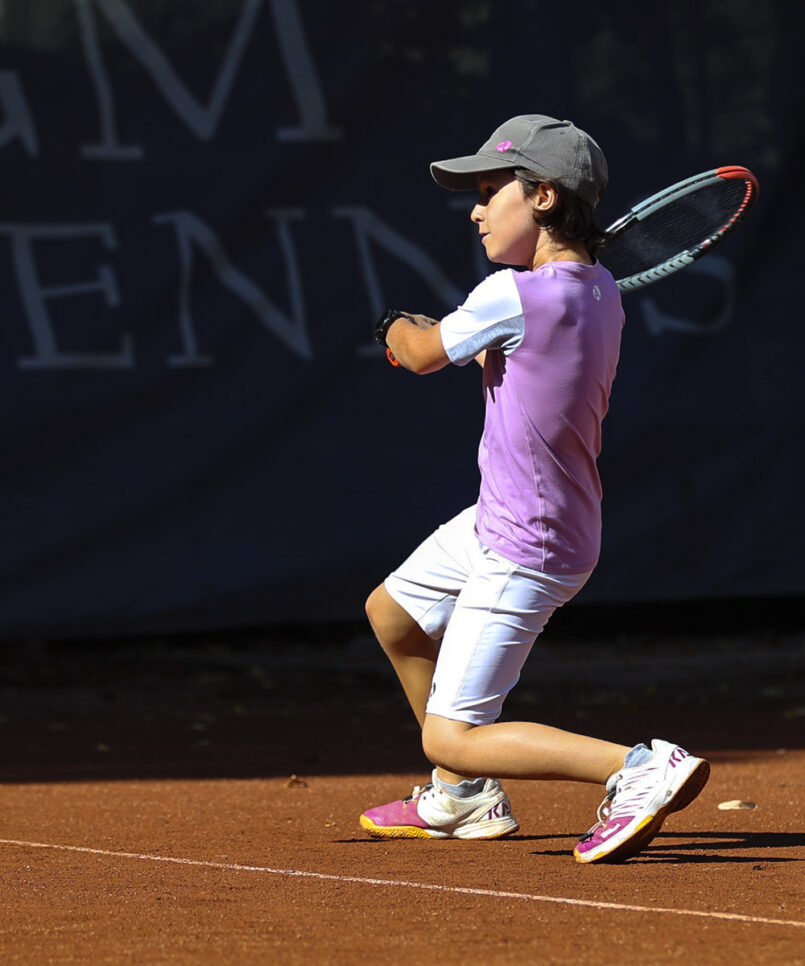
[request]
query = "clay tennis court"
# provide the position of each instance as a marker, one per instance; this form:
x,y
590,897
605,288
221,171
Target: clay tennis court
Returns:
x,y
196,800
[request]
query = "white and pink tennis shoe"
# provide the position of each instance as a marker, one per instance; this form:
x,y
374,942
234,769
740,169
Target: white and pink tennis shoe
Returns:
x,y
431,813
638,801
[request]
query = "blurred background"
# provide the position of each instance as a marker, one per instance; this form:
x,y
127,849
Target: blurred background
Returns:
x,y
206,206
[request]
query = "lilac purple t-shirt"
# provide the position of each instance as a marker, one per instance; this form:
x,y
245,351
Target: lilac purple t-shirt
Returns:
x,y
552,338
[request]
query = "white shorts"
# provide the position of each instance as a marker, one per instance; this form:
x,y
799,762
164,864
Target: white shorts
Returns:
x,y
487,611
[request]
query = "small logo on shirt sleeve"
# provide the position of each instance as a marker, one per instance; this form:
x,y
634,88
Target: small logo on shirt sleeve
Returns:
x,y
596,293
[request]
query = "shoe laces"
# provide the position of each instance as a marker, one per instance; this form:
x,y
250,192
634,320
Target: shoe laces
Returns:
x,y
602,813
418,792
604,810
629,790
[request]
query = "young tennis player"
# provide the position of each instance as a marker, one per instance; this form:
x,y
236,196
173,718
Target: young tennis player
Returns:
x,y
459,617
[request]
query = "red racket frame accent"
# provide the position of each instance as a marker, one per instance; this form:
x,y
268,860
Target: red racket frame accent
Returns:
x,y
733,172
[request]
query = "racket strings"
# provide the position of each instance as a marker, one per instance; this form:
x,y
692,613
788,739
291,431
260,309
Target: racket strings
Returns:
x,y
685,223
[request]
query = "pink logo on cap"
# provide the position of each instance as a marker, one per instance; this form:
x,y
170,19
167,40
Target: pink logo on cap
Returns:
x,y
503,146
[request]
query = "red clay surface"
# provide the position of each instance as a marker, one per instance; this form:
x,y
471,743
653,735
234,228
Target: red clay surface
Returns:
x,y
149,814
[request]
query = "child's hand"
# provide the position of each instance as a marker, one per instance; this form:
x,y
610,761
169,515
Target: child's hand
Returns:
x,y
385,322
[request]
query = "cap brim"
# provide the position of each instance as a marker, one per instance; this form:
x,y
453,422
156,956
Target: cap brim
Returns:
x,y
461,174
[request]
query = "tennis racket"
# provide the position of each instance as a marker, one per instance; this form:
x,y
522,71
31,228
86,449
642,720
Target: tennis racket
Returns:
x,y
675,227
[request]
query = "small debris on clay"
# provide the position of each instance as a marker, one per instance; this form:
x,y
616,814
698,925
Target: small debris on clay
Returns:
x,y
736,805
296,782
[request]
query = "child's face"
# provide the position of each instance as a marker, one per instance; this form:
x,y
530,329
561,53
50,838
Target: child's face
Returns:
x,y
505,220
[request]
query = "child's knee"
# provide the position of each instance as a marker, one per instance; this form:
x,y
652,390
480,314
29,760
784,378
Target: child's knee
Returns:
x,y
394,628
434,748
377,611
443,742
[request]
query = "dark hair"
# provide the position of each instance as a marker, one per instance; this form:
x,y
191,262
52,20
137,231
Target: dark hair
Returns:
x,y
570,219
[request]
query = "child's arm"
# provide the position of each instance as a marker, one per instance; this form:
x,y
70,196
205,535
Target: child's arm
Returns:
x,y
416,343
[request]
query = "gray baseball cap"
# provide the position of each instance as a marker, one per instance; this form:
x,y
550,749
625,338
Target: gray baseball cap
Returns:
x,y
552,149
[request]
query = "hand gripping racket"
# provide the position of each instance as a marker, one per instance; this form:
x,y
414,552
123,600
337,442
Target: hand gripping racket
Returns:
x,y
676,226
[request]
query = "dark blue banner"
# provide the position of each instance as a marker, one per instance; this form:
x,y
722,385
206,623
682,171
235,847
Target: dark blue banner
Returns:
x,y
207,204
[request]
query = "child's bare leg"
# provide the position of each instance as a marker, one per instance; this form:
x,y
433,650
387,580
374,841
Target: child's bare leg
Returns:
x,y
413,656
518,749
411,652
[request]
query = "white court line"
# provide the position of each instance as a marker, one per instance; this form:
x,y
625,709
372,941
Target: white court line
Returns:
x,y
404,884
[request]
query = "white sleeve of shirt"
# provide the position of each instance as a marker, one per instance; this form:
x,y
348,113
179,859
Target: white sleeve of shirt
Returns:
x,y
490,318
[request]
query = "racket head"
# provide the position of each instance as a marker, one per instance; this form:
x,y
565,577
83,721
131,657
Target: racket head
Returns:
x,y
676,226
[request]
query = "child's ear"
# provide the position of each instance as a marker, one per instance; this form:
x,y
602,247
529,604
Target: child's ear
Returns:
x,y
545,197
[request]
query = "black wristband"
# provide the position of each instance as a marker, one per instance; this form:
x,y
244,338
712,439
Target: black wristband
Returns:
x,y
385,322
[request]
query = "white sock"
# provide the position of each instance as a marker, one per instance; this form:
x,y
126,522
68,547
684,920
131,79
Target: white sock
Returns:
x,y
638,755
464,789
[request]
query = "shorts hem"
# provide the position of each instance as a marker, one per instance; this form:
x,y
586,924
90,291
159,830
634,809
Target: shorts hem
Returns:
x,y
466,717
